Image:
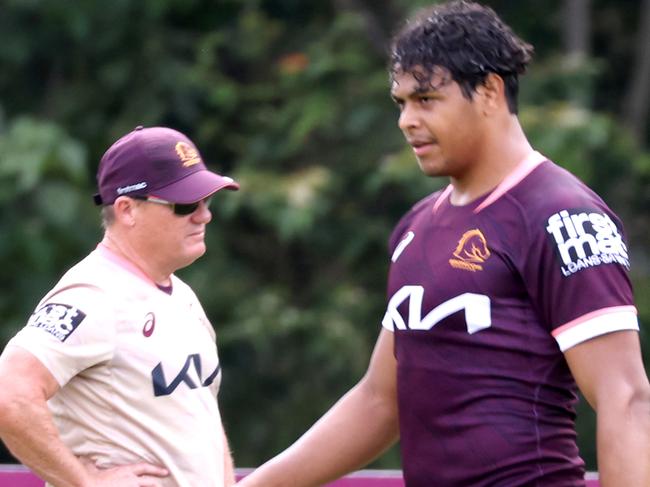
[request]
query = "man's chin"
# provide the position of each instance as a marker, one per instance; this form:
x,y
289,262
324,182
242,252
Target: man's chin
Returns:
x,y
430,169
198,251
192,255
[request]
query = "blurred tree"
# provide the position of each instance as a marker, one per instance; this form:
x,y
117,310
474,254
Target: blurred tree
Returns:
x,y
290,98
576,28
636,101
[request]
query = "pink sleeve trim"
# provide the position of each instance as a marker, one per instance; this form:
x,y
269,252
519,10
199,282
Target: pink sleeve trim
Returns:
x,y
596,323
590,316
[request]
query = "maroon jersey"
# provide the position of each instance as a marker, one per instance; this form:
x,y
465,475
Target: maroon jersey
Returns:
x,y
483,300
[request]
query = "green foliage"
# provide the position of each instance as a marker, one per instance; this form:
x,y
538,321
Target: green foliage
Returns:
x,y
43,193
291,99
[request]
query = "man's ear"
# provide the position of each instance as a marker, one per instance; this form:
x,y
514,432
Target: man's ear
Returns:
x,y
124,208
492,93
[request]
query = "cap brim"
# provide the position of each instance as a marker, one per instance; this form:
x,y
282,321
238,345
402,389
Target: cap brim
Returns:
x,y
195,187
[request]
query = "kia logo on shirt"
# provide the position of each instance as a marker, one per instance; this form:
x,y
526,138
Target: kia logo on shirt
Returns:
x,y
191,374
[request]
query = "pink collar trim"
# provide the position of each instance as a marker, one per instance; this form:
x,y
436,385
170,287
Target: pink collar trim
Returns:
x,y
523,169
443,197
125,264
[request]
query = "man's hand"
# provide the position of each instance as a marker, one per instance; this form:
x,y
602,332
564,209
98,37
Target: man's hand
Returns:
x,y
136,475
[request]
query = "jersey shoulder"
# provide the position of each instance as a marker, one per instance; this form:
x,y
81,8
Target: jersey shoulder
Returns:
x,y
88,276
550,194
551,188
99,284
425,204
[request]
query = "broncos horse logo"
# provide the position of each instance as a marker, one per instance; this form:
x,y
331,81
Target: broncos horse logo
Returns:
x,y
187,154
472,247
471,251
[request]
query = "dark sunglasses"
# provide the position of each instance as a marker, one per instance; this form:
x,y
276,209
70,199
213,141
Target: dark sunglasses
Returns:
x,y
180,209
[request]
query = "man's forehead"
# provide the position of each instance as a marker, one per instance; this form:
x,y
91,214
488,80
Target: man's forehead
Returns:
x,y
419,80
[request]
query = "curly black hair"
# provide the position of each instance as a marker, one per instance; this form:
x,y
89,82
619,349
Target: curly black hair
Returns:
x,y
467,40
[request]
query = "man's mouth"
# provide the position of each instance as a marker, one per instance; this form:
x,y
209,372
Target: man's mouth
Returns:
x,y
420,147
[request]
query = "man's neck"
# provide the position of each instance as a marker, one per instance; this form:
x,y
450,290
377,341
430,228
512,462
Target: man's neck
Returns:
x,y
125,250
502,153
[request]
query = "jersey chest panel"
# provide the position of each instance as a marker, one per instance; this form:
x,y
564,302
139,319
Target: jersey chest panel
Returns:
x,y
455,284
163,346
475,364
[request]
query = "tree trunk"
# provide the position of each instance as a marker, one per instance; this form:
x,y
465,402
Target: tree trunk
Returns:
x,y
637,97
577,28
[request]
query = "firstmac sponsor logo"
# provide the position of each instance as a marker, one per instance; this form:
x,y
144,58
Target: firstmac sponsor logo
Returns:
x,y
586,238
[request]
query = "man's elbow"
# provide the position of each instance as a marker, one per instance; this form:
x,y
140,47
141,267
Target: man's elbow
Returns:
x,y
639,403
15,403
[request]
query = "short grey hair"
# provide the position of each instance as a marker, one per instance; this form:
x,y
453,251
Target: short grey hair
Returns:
x,y
108,216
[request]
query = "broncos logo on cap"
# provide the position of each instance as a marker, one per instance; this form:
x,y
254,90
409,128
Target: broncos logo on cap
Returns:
x,y
472,250
188,154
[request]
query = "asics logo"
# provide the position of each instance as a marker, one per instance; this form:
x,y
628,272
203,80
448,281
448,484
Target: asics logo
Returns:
x,y
149,325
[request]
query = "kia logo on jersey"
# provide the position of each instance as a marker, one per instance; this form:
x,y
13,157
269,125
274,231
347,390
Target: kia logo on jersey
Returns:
x,y
149,325
191,375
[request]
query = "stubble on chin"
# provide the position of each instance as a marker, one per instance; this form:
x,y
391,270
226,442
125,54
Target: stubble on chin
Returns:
x,y
431,170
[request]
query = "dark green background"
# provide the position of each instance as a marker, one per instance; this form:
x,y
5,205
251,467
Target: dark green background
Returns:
x,y
290,98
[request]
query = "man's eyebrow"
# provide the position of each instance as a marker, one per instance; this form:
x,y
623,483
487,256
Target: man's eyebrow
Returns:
x,y
420,90
426,88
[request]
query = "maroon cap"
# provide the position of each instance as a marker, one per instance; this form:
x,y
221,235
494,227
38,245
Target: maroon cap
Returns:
x,y
156,161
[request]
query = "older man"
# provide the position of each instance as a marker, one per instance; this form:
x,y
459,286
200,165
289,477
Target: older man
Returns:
x,y
114,379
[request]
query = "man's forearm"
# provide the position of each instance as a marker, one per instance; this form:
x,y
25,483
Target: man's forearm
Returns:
x,y
28,431
228,464
354,432
624,445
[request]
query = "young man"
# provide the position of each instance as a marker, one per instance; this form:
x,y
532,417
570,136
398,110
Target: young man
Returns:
x,y
505,290
114,379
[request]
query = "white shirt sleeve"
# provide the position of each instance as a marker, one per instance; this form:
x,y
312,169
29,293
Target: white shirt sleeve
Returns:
x,y
70,331
594,324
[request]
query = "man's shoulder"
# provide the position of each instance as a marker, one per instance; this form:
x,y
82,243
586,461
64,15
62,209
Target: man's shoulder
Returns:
x,y
425,204
181,287
91,278
550,189
91,269
429,200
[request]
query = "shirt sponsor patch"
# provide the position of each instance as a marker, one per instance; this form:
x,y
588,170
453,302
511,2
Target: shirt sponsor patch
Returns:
x,y
586,238
59,320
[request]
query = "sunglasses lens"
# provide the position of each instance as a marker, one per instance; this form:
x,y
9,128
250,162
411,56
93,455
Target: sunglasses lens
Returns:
x,y
185,209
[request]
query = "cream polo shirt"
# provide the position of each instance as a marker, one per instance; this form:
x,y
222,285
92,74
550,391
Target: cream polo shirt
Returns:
x,y
138,370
